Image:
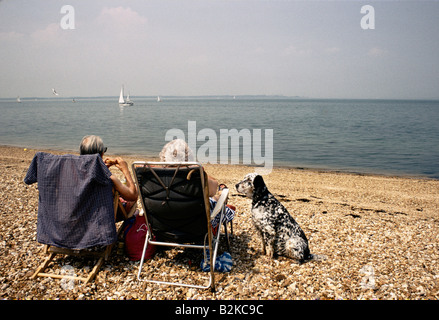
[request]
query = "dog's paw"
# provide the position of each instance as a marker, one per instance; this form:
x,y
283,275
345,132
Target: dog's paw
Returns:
x,y
270,253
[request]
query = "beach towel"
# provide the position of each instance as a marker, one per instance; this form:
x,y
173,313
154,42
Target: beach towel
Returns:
x,y
75,207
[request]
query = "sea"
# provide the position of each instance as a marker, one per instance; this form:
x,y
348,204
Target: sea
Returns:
x,y
388,137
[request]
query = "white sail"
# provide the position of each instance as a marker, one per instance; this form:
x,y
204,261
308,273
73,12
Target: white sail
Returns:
x,y
121,99
159,99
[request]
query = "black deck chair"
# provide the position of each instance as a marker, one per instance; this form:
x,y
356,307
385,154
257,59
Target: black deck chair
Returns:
x,y
175,200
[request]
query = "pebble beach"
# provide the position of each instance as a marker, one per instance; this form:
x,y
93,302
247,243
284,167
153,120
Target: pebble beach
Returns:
x,y
379,234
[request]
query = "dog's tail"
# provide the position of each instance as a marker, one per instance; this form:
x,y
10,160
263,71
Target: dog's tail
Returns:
x,y
316,257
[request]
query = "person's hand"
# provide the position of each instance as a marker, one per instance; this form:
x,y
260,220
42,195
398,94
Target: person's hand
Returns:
x,y
120,163
109,162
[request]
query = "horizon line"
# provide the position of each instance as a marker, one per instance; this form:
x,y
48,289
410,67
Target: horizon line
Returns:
x,y
227,96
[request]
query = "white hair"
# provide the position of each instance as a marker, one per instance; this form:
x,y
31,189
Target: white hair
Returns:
x,y
176,151
91,144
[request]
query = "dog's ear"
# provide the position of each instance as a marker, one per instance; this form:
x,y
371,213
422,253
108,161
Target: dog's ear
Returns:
x,y
258,183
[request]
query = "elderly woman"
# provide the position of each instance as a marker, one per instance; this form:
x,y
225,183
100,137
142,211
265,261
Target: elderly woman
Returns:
x,y
178,151
93,144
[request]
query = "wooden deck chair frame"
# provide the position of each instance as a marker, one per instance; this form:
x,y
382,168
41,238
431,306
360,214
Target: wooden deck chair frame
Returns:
x,y
212,244
101,256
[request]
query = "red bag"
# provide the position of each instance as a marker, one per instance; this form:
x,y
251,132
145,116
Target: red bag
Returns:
x,y
135,234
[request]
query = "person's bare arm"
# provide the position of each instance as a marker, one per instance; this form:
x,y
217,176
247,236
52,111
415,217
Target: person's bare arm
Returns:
x,y
213,186
127,191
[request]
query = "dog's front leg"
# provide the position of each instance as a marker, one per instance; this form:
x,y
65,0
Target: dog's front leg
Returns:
x,y
267,244
268,234
261,236
270,249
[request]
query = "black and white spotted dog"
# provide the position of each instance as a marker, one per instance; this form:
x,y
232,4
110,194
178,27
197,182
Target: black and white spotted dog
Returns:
x,y
281,235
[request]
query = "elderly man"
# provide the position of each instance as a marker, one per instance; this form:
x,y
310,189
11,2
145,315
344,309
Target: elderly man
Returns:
x,y
93,144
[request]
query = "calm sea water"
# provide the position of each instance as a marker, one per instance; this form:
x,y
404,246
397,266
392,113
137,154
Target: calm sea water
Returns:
x,y
368,136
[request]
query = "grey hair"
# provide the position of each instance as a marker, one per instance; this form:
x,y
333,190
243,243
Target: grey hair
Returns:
x,y
91,144
176,151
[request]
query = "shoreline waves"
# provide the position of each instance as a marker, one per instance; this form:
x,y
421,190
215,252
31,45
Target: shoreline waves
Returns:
x,y
379,233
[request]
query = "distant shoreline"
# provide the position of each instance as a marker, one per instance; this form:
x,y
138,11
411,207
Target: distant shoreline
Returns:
x,y
225,97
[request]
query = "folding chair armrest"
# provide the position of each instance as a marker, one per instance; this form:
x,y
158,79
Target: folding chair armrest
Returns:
x,y
222,201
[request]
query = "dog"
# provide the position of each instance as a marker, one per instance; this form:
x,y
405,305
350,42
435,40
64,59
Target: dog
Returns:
x,y
281,235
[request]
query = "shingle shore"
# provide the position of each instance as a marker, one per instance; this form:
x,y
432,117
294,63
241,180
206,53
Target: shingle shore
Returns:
x,y
380,236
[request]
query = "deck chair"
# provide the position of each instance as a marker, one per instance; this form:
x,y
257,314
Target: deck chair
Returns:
x,y
175,199
76,210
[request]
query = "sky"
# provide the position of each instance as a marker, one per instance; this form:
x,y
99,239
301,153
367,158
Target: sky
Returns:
x,y
312,49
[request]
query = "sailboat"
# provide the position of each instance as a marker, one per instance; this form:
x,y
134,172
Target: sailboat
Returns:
x,y
18,99
122,101
159,99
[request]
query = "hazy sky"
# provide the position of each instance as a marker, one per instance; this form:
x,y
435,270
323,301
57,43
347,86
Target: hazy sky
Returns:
x,y
295,48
